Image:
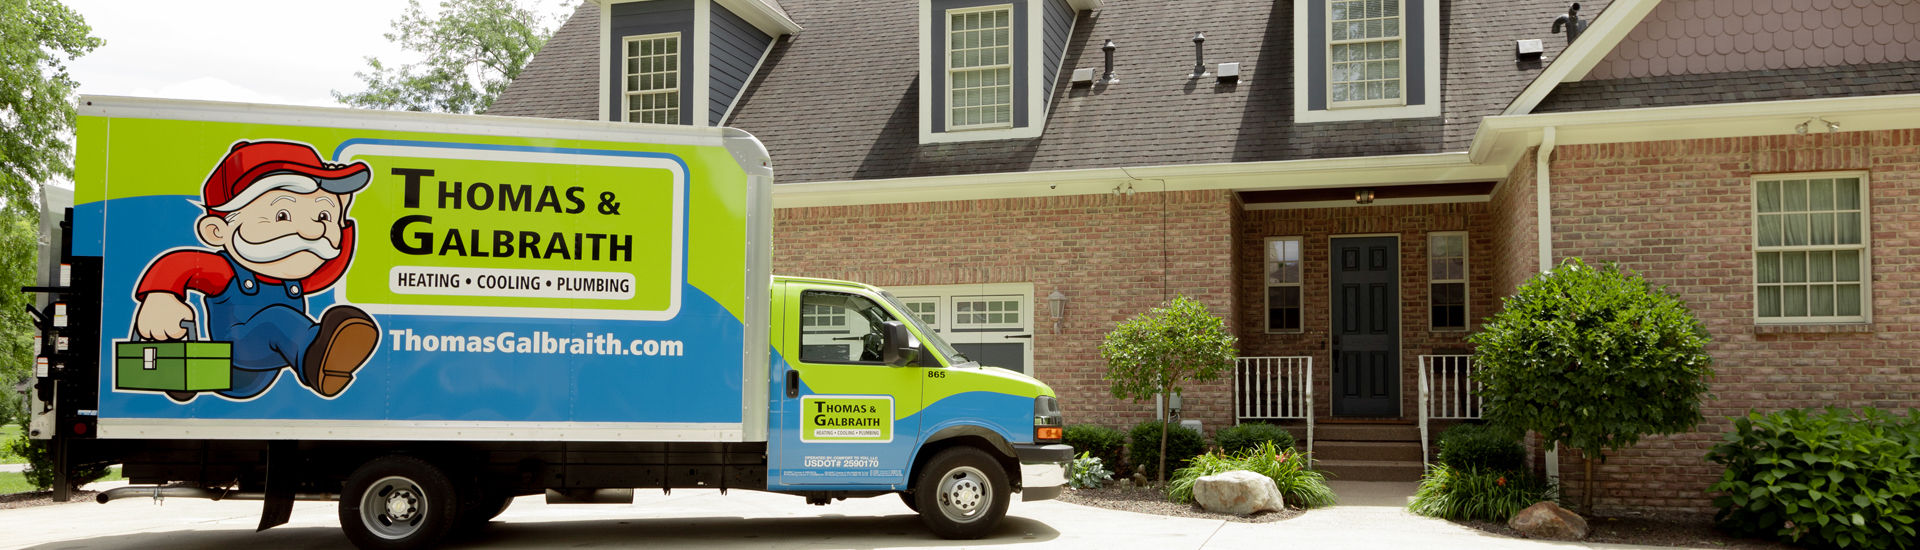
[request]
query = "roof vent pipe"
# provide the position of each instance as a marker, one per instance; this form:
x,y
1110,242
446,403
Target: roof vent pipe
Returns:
x,y
1199,59
1573,23
1108,77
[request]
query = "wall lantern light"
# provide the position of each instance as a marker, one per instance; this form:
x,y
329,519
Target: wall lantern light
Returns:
x,y
1057,305
1363,196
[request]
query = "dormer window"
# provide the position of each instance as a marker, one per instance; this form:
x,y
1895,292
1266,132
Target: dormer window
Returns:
x,y
652,87
980,67
1366,60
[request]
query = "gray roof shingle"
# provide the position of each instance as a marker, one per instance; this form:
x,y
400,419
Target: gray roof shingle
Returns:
x,y
1734,87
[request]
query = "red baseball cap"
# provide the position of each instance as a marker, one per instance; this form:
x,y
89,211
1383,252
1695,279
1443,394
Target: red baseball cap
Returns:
x,y
248,162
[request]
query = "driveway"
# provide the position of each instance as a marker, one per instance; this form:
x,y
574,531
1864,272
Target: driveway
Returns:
x,y
1373,518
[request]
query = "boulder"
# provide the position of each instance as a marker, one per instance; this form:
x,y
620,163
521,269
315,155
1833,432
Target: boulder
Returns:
x,y
1546,520
1238,492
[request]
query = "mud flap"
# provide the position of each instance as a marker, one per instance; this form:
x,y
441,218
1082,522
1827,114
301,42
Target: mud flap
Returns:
x,y
282,478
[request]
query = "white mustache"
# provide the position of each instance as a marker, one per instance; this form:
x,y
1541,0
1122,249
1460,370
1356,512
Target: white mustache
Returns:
x,y
274,250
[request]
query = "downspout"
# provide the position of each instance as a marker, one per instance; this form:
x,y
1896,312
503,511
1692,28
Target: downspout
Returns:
x,y
1543,201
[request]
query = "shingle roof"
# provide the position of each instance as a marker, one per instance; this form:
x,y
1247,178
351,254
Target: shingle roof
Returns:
x,y
840,101
1743,86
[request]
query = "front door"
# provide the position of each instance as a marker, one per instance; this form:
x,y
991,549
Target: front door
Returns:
x,y
1366,326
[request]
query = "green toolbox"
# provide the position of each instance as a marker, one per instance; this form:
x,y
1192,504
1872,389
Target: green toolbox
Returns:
x,y
173,366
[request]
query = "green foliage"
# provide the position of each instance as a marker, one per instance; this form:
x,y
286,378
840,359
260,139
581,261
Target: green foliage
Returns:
x,y
1461,493
1594,359
1832,479
7,433
1087,472
1182,445
37,39
1482,446
1300,485
1240,438
39,471
1107,444
1157,353
471,50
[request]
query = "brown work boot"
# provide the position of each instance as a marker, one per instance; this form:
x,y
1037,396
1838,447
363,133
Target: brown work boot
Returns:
x,y
347,337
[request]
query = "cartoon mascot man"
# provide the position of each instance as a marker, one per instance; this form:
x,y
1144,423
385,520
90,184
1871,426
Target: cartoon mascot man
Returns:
x,y
277,218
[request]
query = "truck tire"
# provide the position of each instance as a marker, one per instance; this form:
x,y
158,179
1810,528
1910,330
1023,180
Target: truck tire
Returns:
x,y
961,493
398,502
911,503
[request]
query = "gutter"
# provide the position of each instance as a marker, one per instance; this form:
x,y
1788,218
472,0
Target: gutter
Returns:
x,y
1543,222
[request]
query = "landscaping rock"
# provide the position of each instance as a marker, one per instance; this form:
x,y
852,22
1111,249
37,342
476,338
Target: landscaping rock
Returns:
x,y
1238,492
1546,520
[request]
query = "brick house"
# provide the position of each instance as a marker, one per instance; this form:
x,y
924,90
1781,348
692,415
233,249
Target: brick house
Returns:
x,y
1352,184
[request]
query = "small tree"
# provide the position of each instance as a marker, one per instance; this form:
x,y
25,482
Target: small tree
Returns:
x,y
1594,359
471,50
1155,353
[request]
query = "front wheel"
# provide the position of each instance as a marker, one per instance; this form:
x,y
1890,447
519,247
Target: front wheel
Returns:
x,y
398,502
962,493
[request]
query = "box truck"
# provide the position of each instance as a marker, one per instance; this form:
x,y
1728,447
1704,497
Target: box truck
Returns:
x,y
424,316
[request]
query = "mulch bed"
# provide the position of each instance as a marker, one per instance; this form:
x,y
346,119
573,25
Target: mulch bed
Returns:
x,y
1147,500
41,498
1691,531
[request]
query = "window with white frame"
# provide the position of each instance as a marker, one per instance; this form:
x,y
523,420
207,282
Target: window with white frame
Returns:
x,y
987,312
1283,284
925,308
652,83
1365,53
980,68
1447,280
1810,248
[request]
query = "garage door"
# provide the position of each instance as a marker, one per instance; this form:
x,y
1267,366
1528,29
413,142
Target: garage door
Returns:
x,y
992,324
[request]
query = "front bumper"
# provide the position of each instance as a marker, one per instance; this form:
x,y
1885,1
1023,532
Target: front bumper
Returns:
x,y
1043,470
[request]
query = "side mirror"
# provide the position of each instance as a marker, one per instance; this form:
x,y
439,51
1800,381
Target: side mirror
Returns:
x,y
899,347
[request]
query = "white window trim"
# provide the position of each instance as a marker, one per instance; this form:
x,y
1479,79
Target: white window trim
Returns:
x,y
1865,248
947,56
1401,100
1036,71
1266,292
1465,280
1303,72
626,95
945,295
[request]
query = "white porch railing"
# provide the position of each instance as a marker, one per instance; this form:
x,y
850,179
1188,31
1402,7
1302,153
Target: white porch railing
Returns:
x,y
1274,388
1447,392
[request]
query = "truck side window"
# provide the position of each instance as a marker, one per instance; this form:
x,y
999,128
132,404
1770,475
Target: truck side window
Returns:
x,y
837,327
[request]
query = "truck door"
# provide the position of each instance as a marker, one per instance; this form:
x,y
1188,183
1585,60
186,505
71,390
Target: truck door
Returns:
x,y
842,417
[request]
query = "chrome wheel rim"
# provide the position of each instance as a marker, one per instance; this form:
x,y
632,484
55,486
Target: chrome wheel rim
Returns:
x,y
965,494
393,507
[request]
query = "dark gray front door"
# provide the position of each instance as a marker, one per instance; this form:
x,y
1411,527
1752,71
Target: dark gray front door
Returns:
x,y
1366,326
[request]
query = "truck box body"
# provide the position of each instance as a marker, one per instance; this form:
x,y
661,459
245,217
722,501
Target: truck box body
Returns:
x,y
580,282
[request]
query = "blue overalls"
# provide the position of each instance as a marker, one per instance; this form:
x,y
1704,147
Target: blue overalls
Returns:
x,y
268,325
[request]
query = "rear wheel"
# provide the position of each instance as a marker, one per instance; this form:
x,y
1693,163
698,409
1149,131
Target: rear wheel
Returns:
x,y
398,502
962,493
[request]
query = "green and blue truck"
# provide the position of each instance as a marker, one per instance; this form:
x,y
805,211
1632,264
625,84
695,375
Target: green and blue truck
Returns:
x,y
424,316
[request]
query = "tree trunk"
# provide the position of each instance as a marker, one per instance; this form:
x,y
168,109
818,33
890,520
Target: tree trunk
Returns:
x,y
1165,419
1586,500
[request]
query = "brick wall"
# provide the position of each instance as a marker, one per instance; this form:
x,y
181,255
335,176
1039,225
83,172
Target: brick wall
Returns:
x,y
1411,223
1679,213
1515,229
1112,256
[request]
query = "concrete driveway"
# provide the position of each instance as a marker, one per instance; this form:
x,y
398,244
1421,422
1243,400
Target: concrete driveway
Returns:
x,y
1374,517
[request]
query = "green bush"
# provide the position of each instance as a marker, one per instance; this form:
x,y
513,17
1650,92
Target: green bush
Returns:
x,y
1087,472
1460,493
1482,446
39,472
1238,439
1300,485
1830,479
1107,444
1143,453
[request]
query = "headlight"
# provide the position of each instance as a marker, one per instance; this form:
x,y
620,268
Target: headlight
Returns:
x,y
1048,423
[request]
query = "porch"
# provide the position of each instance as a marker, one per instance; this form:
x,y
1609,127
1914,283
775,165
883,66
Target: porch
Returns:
x,y
1280,390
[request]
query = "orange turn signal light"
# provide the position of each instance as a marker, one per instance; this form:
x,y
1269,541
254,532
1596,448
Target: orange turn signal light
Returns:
x,y
1047,433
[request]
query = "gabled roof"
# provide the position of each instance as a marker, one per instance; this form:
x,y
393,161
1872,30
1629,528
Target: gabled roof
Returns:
x,y
840,101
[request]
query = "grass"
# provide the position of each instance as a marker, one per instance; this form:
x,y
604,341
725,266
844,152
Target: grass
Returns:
x,y
9,432
16,482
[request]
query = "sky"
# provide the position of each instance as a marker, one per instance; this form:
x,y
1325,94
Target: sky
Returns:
x,y
257,51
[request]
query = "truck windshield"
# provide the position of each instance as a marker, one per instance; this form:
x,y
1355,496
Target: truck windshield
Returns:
x,y
931,338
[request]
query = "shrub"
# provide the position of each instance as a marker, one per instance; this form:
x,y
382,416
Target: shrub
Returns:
x,y
1087,472
1143,453
1300,485
1593,358
1107,444
1482,446
39,472
1457,493
1158,352
1835,478
1240,438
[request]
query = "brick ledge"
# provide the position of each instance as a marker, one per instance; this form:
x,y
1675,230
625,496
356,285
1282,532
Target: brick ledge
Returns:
x,y
1848,328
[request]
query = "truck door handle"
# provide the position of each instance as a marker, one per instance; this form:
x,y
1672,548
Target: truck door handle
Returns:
x,y
793,383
